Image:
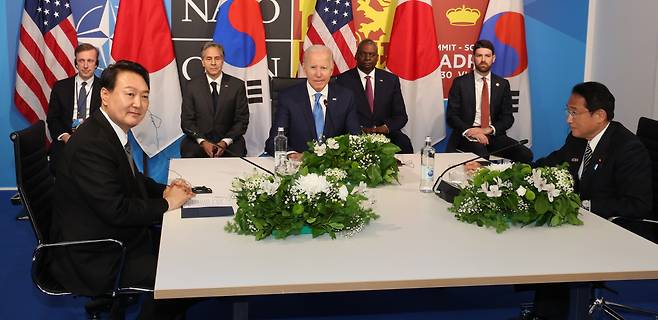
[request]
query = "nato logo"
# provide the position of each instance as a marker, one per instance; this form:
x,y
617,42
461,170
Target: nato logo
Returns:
x,y
94,23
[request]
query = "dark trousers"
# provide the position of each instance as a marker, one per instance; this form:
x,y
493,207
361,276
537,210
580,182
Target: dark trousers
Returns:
x,y
516,154
189,148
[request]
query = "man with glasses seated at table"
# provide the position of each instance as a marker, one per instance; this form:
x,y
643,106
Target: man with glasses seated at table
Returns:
x,y
611,168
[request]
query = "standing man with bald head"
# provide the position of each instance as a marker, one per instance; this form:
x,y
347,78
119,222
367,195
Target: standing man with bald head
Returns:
x,y
316,109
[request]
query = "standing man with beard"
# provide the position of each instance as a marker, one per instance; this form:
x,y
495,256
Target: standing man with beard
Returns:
x,y
480,110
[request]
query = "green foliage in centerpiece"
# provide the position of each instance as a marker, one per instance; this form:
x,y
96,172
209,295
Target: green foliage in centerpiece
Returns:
x,y
284,205
502,195
369,158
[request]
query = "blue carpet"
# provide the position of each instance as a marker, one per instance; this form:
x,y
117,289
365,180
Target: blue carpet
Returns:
x,y
22,300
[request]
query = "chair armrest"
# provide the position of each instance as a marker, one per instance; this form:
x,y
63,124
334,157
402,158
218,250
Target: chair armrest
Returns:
x,y
615,218
45,246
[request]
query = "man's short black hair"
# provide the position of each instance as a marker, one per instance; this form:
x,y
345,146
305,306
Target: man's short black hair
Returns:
x,y
597,96
484,43
109,75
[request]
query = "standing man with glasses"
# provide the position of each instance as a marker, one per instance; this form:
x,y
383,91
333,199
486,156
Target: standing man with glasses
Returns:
x,y
214,114
72,100
480,110
378,96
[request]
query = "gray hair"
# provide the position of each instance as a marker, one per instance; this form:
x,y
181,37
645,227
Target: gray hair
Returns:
x,y
318,48
211,44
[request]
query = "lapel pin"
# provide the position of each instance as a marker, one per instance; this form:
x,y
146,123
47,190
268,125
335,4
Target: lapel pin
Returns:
x,y
381,80
333,99
575,160
497,84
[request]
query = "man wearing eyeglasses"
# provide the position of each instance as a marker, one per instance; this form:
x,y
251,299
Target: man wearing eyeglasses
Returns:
x,y
611,168
379,101
72,100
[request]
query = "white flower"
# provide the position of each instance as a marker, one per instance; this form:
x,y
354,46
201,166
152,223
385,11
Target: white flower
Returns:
x,y
361,188
311,184
320,149
491,191
342,193
332,143
521,191
270,187
537,179
236,185
551,191
499,166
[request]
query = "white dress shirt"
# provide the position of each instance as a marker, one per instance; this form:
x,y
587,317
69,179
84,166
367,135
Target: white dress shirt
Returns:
x,y
228,141
362,76
323,98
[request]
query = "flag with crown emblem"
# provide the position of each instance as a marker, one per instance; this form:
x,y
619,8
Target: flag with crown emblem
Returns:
x,y
504,26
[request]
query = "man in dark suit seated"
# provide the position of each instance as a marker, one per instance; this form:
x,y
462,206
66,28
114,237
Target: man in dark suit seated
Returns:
x,y
214,114
610,165
480,110
100,194
316,109
378,96
72,100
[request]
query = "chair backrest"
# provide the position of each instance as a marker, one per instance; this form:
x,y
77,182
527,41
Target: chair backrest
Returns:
x,y
647,131
33,178
279,84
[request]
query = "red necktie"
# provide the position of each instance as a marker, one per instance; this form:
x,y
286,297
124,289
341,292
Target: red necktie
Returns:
x,y
484,106
370,95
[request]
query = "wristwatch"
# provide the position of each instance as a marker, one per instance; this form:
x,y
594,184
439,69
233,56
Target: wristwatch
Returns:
x,y
586,204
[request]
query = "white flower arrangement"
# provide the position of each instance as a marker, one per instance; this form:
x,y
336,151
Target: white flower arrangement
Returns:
x,y
499,196
283,206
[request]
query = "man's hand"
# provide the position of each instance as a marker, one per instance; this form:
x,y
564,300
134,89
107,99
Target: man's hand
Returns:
x,y
383,129
480,134
182,183
176,196
65,137
222,146
209,148
296,156
367,130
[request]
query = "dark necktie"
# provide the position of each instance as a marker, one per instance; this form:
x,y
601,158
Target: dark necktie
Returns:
x,y
484,105
370,95
129,154
588,157
82,101
215,96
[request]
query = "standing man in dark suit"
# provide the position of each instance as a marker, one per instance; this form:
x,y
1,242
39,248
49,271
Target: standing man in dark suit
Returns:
x,y
611,167
378,96
99,194
214,114
316,109
480,110
72,100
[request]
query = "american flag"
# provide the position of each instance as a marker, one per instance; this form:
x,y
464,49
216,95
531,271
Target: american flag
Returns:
x,y
332,25
45,54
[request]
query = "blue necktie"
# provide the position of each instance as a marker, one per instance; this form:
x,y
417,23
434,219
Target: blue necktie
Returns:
x,y
82,101
318,116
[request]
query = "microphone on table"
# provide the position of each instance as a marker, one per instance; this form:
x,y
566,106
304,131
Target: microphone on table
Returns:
x,y
448,191
195,136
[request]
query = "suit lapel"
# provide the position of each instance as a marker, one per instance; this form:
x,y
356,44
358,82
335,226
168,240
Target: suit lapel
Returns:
x,y
495,92
363,101
306,111
598,160
379,86
95,95
329,120
470,97
224,95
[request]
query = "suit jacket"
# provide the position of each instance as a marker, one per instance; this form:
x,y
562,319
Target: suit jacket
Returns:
x,y
97,196
618,178
293,113
60,105
231,118
389,108
461,105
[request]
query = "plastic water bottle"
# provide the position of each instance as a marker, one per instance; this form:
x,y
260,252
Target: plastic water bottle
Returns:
x,y
280,152
427,166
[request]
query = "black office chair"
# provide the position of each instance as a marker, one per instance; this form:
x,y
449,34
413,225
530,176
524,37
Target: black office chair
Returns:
x,y
279,84
35,186
647,131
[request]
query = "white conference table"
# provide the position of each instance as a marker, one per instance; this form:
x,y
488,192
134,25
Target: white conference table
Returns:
x,y
416,243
